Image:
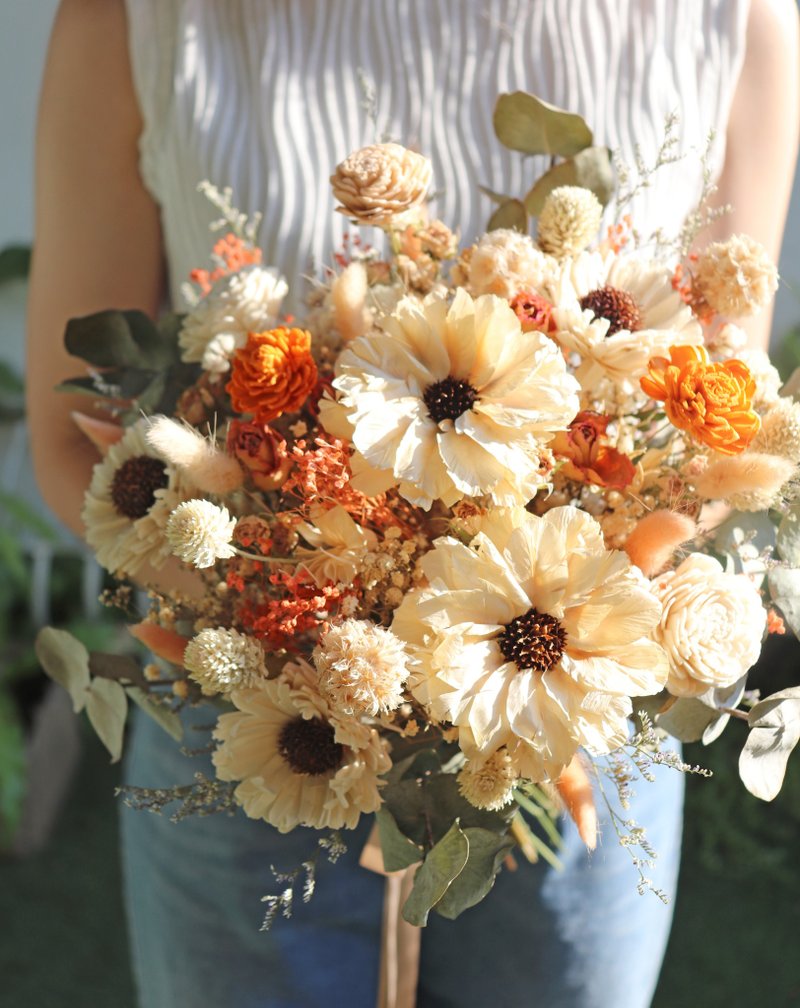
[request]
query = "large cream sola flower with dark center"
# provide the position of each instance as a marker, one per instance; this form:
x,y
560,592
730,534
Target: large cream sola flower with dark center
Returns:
x,y
533,637
125,510
617,312
455,399
298,763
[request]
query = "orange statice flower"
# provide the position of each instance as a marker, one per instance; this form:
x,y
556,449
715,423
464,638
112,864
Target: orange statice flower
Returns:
x,y
273,373
232,254
589,459
712,402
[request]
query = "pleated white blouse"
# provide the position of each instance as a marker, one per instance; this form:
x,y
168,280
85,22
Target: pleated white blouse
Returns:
x,y
268,95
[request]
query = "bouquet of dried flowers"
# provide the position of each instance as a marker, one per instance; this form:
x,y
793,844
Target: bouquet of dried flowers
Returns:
x,y
449,532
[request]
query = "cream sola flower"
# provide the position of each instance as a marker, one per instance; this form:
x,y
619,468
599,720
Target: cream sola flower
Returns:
x,y
533,637
616,312
125,510
298,763
453,400
242,302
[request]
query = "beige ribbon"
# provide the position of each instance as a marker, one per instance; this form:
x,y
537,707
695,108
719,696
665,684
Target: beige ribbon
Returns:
x,y
400,941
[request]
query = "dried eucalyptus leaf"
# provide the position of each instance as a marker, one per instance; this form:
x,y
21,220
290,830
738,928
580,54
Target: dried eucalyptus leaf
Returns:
x,y
107,707
398,851
473,883
590,168
525,123
445,862
784,587
66,661
117,339
687,719
161,714
511,214
774,732
792,386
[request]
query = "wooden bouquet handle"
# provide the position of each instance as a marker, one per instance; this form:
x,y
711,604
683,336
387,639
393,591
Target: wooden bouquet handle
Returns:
x,y
400,941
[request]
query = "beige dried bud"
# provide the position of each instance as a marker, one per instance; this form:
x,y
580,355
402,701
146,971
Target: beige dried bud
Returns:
x,y
376,184
569,221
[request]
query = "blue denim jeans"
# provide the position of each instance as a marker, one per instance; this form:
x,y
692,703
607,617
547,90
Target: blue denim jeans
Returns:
x,y
577,938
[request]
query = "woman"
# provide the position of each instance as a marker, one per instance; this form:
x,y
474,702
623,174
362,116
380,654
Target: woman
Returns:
x,y
140,105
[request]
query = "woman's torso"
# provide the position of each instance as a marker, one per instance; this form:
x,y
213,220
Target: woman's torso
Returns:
x,y
266,96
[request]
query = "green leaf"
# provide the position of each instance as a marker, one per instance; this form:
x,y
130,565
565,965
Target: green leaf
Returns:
x,y
66,661
445,862
787,540
398,851
19,510
525,123
486,853
15,262
784,587
118,339
774,732
13,769
511,214
107,707
113,666
589,169
425,809
161,714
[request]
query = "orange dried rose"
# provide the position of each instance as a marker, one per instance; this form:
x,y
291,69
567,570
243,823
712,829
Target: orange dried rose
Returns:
x,y
711,401
273,373
588,458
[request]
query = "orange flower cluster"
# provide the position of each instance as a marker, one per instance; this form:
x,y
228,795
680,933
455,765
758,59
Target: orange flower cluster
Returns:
x,y
712,402
534,312
273,373
283,623
234,254
588,458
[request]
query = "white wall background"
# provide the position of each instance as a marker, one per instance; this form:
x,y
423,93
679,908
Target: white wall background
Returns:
x,y
24,29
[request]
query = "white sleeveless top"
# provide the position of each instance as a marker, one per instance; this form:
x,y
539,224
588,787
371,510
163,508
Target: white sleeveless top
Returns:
x,y
267,96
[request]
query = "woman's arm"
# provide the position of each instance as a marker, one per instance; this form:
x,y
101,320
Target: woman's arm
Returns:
x,y
762,137
97,234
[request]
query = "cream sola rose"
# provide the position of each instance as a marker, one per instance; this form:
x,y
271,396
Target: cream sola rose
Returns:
x,y
533,637
242,302
129,500
453,399
298,763
711,627
616,312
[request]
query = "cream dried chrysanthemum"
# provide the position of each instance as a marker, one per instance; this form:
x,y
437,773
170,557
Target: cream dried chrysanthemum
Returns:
x,y
488,785
378,183
298,763
238,303
735,277
222,660
362,668
340,545
533,638
711,626
453,400
780,431
132,492
569,221
504,262
616,313
199,532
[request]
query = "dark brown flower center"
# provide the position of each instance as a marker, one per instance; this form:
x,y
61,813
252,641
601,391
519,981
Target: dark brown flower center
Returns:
x,y
618,306
533,641
133,488
308,746
449,398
